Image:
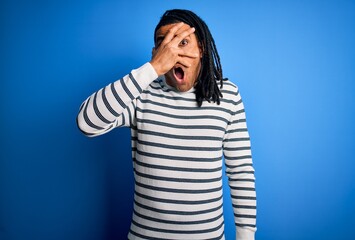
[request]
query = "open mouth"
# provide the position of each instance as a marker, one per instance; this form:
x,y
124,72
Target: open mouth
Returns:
x,y
179,73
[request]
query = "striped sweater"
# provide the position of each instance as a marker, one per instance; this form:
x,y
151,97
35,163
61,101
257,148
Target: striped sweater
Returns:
x,y
177,151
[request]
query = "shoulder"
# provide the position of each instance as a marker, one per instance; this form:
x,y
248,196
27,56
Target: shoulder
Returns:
x,y
230,90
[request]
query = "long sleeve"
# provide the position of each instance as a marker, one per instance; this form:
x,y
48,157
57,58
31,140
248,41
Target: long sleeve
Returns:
x,y
109,107
240,172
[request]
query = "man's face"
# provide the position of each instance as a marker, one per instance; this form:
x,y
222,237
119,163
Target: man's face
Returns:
x,y
181,77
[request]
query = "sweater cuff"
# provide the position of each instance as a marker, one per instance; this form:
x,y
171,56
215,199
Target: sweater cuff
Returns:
x,y
244,234
144,75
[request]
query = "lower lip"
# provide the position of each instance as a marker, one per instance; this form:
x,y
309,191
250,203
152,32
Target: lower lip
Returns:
x,y
180,81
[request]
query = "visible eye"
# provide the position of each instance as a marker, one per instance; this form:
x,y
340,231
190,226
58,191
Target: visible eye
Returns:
x,y
184,42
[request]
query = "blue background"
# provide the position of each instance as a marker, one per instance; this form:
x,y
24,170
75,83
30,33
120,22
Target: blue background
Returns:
x,y
294,62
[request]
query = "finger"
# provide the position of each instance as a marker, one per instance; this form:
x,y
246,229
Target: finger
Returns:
x,y
178,38
184,62
183,28
171,33
182,53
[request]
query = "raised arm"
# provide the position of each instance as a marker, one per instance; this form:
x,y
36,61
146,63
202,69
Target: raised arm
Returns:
x,y
240,172
103,110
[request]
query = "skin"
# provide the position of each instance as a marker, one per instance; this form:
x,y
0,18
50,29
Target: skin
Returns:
x,y
176,45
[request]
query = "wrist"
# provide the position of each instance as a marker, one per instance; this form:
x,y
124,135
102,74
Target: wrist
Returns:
x,y
244,234
156,68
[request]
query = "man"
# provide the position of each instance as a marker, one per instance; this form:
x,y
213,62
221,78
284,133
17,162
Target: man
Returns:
x,y
183,117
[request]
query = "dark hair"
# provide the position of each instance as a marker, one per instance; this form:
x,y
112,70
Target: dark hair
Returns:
x,y
211,69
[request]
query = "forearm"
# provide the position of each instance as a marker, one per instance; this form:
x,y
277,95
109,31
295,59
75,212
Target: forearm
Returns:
x,y
240,172
101,111
242,185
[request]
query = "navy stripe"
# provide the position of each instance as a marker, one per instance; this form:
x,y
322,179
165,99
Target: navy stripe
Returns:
x,y
169,157
238,130
174,201
245,225
144,236
132,116
243,206
237,158
118,98
123,120
97,111
243,197
175,190
236,139
161,87
239,112
87,120
185,148
242,180
159,123
236,148
129,116
159,220
170,179
242,188
241,165
107,104
242,120
229,101
135,83
174,98
244,216
177,107
160,113
157,210
173,136
89,134
181,169
240,172
228,92
240,101
124,86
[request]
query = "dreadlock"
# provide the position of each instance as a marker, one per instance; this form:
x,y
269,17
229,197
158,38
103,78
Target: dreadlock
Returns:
x,y
211,69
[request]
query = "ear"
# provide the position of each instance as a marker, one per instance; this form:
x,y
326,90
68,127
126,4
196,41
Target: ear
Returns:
x,y
153,51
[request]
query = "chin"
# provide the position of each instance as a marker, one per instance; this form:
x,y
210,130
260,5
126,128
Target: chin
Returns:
x,y
180,85
183,89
